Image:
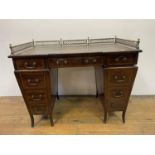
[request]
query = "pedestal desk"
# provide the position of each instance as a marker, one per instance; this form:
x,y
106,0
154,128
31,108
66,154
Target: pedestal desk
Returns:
x,y
36,66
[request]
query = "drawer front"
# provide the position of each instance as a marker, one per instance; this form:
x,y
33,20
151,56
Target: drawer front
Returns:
x,y
63,62
121,76
122,59
75,61
118,105
29,63
117,98
118,93
98,60
36,97
39,109
33,80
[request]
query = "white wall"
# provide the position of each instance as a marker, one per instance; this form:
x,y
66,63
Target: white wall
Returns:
x,y
78,80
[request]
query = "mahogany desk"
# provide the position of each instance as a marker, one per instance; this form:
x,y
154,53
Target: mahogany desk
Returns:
x,y
36,66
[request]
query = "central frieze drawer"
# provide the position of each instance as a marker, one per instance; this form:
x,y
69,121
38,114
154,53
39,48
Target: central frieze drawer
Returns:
x,y
33,80
75,61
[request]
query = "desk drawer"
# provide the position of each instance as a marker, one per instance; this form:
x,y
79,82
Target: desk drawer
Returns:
x,y
121,75
29,63
117,98
122,59
63,62
33,80
96,60
75,61
118,93
36,97
118,105
39,109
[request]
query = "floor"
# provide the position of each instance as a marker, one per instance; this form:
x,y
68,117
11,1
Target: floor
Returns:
x,y
78,116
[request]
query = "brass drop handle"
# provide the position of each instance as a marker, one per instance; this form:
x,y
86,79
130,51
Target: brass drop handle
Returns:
x,y
33,81
36,97
94,60
123,77
124,59
117,94
121,59
57,62
115,77
30,65
65,61
120,79
86,61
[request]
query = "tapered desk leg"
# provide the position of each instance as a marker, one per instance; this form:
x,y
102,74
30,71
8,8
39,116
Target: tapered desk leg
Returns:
x,y
56,80
105,116
57,96
51,110
123,116
32,120
53,89
51,121
104,107
96,94
96,82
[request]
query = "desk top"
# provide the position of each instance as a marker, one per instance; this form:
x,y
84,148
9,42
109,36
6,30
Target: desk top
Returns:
x,y
58,47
